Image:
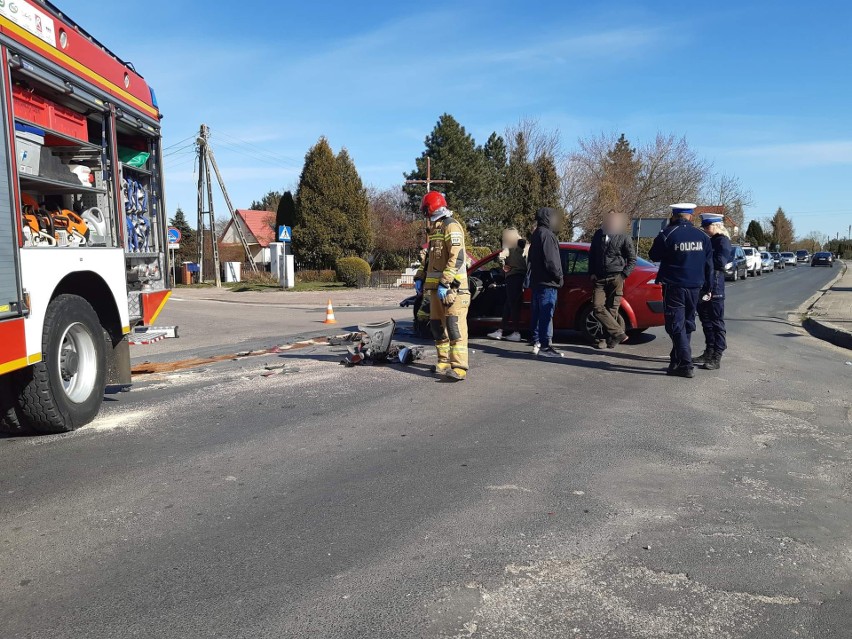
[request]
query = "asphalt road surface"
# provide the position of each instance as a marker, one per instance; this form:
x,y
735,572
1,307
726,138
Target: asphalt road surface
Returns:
x,y
589,497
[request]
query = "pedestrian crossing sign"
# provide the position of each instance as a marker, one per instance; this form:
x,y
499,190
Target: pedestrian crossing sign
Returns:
x,y
284,233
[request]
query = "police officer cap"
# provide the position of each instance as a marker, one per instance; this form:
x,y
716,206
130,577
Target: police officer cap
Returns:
x,y
684,208
711,218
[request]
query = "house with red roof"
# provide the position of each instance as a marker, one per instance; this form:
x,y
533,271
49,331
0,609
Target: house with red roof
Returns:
x,y
258,228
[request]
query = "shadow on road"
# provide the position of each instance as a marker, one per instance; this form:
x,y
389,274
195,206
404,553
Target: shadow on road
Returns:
x,y
586,357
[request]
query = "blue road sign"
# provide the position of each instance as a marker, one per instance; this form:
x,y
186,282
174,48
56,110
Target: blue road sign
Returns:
x,y
174,235
284,233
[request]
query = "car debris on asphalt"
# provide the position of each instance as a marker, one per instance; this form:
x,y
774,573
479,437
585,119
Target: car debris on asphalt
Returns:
x,y
376,346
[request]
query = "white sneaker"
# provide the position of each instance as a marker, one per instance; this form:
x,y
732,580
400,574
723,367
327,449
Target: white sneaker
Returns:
x,y
550,352
514,337
498,334
536,348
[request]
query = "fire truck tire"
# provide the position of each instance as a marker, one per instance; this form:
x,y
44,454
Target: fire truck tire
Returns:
x,y
10,422
65,390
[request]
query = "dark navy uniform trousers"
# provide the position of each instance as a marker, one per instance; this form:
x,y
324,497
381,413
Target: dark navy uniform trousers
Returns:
x,y
712,316
680,305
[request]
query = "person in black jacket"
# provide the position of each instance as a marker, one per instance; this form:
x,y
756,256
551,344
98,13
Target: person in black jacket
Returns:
x,y
611,260
686,268
711,312
545,279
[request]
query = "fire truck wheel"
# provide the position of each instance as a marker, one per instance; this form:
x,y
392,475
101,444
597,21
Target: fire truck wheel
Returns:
x,y
10,422
66,389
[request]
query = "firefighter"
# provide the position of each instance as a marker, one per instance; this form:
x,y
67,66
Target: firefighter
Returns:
x,y
712,311
443,275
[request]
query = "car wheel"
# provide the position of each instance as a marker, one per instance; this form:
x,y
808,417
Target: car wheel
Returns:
x,y
589,325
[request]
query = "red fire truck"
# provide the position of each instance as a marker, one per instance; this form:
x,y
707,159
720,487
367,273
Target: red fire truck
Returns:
x,y
83,235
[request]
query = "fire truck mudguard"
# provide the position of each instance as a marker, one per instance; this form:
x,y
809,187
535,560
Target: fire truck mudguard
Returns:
x,y
65,390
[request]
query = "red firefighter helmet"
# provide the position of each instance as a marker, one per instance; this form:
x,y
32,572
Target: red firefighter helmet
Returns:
x,y
432,201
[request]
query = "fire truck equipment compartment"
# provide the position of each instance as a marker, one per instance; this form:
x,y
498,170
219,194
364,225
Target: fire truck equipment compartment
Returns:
x,y
31,107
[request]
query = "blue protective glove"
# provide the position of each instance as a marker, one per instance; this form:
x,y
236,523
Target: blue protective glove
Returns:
x,y
443,291
418,287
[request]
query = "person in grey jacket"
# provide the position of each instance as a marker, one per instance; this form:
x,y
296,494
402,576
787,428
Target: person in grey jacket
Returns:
x,y
612,258
545,279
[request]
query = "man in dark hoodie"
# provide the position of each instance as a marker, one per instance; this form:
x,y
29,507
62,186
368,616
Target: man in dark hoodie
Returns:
x,y
611,260
545,279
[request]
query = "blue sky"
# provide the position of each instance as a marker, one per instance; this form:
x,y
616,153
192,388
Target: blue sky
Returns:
x,y
761,89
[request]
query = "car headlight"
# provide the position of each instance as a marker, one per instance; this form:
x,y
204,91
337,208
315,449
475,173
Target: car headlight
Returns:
x,y
729,266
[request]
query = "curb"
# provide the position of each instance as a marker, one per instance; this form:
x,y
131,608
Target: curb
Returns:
x,y
824,330
828,332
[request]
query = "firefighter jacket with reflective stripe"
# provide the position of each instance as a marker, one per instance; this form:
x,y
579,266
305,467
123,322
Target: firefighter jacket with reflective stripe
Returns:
x,y
445,260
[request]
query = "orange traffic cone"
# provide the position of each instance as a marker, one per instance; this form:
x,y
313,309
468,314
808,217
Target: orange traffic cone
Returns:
x,y
329,314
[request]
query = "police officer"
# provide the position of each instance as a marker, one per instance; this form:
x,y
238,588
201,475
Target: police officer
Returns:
x,y
712,312
444,276
686,269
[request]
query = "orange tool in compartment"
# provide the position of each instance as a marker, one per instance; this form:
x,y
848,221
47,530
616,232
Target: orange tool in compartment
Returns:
x,y
72,224
39,224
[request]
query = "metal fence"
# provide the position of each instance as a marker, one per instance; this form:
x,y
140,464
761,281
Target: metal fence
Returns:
x,y
388,279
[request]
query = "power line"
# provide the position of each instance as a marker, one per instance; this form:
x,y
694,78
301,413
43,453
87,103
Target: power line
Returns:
x,y
170,146
255,156
255,149
188,147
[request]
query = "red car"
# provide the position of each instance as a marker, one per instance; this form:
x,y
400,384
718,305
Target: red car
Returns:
x,y
641,306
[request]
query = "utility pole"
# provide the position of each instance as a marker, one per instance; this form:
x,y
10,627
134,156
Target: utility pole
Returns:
x,y
209,214
200,247
213,232
206,161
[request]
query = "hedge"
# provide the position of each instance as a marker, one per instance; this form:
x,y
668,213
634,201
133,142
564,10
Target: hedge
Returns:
x,y
353,271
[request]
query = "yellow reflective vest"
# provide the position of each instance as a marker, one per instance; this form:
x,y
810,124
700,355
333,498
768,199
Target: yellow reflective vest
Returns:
x,y
445,258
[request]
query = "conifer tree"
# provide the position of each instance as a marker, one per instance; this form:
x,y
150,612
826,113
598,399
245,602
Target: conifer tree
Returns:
x,y
320,221
355,206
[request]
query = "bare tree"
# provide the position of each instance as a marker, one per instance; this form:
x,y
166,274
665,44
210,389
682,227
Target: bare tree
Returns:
x,y
725,189
541,142
670,171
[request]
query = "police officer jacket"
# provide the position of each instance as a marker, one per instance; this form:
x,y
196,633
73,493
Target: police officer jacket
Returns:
x,y
685,256
723,253
445,258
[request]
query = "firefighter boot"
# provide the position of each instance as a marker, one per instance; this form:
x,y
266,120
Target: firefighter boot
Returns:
x,y
443,366
714,363
457,374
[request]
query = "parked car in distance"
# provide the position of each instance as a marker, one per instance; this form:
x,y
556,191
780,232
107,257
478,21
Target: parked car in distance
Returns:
x,y
737,268
753,260
641,306
767,263
789,258
779,261
822,258
802,256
